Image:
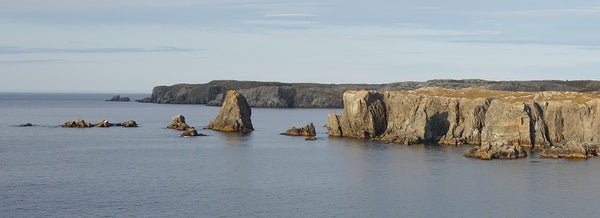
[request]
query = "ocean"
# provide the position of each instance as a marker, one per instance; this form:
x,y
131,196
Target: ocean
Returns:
x,y
150,171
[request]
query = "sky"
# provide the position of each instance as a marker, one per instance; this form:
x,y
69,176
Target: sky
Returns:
x,y
134,45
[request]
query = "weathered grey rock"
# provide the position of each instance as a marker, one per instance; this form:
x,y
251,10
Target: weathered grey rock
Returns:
x,y
234,115
364,114
534,120
496,150
76,124
129,123
333,125
191,132
308,130
178,123
25,125
570,149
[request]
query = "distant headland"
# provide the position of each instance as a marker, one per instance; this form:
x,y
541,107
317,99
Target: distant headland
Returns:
x,y
314,95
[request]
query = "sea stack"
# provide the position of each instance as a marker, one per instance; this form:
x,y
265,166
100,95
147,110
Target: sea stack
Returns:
x,y
234,115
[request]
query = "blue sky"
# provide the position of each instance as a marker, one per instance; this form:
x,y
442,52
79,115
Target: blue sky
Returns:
x,y
131,46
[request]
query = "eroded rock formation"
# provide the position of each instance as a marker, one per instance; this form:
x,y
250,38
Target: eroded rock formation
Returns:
x,y
308,130
103,123
178,123
496,150
129,123
191,131
234,115
76,124
537,120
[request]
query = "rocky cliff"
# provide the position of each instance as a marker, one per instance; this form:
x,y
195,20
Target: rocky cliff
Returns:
x,y
554,122
310,95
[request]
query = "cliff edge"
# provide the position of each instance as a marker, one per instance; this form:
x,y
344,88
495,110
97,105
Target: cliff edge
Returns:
x,y
561,124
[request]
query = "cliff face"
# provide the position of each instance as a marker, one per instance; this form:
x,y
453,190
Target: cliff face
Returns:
x,y
310,95
538,120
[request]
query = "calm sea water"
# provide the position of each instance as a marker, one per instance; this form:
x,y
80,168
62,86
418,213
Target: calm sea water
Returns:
x,y
152,172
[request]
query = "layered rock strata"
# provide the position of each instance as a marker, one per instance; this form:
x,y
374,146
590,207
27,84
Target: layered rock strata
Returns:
x,y
544,121
234,115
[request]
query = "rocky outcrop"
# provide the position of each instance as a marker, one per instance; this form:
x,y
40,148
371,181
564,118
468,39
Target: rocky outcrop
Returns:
x,y
311,95
333,125
496,150
571,149
76,124
536,120
189,132
118,98
25,125
129,123
308,130
103,124
178,123
234,115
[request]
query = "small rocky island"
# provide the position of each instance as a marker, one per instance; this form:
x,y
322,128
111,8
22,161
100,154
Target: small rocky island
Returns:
x,y
307,131
501,123
180,124
118,98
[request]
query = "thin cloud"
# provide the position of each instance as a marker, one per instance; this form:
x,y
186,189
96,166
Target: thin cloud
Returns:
x,y
22,50
289,15
552,12
32,61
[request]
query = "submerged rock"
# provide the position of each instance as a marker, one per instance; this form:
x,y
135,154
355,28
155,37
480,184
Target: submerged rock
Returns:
x,y
25,125
570,149
178,123
496,150
129,123
234,115
76,124
308,130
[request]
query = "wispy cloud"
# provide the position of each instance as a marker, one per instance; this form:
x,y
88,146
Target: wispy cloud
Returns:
x,y
289,15
552,12
22,50
32,61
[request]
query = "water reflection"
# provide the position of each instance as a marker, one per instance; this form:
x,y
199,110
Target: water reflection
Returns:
x,y
234,139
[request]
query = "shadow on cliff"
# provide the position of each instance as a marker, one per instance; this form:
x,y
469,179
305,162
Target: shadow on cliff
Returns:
x,y
436,128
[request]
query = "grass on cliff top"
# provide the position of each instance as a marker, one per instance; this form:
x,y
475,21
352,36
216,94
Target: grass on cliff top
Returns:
x,y
472,93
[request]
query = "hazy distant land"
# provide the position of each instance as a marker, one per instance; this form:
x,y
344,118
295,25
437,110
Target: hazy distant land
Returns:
x,y
314,95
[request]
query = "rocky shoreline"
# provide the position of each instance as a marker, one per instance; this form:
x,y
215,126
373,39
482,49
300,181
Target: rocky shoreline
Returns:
x,y
312,95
